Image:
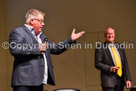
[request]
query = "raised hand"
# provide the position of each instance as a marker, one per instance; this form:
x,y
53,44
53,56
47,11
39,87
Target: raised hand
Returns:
x,y
75,36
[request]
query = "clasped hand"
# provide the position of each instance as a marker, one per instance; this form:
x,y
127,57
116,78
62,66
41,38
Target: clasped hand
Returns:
x,y
43,47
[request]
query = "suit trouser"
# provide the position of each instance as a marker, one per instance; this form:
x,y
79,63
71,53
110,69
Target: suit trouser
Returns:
x,y
118,87
28,88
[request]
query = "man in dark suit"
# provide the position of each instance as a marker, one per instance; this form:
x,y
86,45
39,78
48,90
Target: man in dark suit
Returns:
x,y
32,53
110,59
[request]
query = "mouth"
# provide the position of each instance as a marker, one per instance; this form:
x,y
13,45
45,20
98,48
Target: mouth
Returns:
x,y
40,29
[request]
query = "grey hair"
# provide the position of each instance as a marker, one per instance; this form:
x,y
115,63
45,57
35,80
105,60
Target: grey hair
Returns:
x,y
108,28
32,14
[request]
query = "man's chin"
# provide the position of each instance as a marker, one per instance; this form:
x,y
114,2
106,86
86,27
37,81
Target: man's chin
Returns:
x,y
40,30
110,41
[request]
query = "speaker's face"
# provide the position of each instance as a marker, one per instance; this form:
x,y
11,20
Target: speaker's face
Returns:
x,y
110,35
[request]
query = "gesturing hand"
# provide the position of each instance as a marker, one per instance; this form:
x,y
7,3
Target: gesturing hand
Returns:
x,y
76,36
114,69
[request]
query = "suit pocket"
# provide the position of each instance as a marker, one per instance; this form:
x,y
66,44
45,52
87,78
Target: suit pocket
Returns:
x,y
25,72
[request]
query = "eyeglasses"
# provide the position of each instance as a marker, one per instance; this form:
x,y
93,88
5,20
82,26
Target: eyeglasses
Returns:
x,y
41,21
109,33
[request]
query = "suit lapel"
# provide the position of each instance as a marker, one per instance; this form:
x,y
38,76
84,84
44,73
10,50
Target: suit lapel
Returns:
x,y
108,52
30,34
42,36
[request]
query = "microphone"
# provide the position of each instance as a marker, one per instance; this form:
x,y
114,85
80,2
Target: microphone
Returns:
x,y
45,40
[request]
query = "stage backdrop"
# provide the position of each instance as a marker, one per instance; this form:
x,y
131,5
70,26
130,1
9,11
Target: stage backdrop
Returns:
x,y
74,68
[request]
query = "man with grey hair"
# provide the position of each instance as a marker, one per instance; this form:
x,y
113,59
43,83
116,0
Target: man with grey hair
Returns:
x,y
32,56
112,62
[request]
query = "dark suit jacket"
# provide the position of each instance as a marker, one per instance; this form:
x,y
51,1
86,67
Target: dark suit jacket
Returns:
x,y
104,62
28,68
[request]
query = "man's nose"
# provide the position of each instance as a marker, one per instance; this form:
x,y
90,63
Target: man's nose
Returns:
x,y
42,23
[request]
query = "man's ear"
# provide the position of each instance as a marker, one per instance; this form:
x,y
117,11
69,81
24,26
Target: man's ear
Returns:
x,y
31,22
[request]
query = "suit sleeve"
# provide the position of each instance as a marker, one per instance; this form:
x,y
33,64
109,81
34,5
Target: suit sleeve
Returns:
x,y
18,46
62,46
99,61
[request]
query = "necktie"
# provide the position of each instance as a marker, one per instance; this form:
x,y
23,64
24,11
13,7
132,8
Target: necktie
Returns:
x,y
117,60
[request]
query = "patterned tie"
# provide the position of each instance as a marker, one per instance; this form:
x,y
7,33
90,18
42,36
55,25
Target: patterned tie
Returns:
x,y
117,60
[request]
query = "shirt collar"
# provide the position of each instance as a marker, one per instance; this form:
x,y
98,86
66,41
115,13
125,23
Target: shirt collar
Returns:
x,y
110,44
32,29
29,27
39,35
